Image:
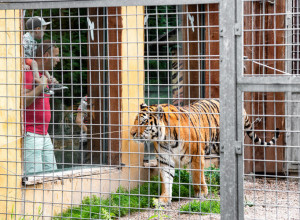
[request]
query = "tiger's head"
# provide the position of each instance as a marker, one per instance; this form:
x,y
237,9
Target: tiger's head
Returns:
x,y
148,124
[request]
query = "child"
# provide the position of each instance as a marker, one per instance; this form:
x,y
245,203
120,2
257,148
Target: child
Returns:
x,y
35,27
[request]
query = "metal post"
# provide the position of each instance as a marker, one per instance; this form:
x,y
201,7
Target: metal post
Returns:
x,y
230,37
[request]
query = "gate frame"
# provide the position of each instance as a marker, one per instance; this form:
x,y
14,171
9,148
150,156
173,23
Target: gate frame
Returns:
x,y
47,4
231,51
257,83
289,95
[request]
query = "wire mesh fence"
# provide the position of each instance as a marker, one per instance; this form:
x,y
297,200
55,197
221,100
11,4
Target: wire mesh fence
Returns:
x,y
271,172
271,187
115,111
90,148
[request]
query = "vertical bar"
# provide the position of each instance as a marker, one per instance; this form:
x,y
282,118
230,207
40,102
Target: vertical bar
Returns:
x,y
289,69
240,157
202,51
228,96
239,106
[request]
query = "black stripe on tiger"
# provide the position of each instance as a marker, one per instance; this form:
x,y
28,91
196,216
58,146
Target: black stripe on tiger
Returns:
x,y
182,136
249,131
164,162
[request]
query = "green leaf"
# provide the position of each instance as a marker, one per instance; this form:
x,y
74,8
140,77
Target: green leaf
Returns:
x,y
153,216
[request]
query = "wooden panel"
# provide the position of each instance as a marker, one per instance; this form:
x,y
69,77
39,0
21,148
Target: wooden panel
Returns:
x,y
95,79
115,82
113,75
212,51
269,37
191,49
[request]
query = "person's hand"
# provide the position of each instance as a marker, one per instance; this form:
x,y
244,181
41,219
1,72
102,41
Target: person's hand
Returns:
x,y
52,80
26,67
41,81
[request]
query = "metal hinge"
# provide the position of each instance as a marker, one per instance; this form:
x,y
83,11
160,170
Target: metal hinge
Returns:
x,y
289,15
237,29
238,147
222,148
221,32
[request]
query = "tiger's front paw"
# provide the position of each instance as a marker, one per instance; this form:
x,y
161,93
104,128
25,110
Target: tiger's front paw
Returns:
x,y
164,201
203,193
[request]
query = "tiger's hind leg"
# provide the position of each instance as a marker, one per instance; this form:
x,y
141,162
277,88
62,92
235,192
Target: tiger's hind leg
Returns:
x,y
199,182
166,178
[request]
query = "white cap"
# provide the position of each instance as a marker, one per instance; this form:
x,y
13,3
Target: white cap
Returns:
x,y
35,22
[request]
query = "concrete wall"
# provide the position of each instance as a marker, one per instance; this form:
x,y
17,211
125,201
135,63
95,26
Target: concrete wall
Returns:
x,y
10,127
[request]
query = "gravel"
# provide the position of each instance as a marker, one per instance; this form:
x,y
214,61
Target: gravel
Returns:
x,y
264,198
172,213
272,199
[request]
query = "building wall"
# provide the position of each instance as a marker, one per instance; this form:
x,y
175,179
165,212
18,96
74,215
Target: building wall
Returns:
x,y
53,197
58,195
132,80
10,128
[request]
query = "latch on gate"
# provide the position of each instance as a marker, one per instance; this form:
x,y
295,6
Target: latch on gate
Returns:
x,y
238,147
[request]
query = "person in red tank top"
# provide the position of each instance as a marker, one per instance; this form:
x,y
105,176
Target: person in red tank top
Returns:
x,y
38,147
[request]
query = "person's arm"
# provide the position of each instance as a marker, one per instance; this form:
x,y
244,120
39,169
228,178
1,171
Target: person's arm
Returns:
x,y
79,121
30,95
51,80
48,74
35,69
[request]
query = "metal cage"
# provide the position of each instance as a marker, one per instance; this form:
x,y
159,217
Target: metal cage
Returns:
x,y
149,110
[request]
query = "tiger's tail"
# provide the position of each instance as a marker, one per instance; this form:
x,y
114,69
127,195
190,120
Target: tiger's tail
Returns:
x,y
253,136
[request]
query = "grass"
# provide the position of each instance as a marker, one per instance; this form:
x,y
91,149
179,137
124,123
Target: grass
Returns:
x,y
212,176
197,207
123,202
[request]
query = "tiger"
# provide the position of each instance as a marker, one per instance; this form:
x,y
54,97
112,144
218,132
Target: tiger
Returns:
x,y
181,137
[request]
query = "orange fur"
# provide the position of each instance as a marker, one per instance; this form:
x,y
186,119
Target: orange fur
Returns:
x,y
182,136
192,127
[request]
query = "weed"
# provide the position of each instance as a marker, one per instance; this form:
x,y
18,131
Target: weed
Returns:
x,y
106,214
13,215
158,210
248,203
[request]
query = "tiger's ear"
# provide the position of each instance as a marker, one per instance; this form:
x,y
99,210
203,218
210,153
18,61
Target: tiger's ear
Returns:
x,y
143,105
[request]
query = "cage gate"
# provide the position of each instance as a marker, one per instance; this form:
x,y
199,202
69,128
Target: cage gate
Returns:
x,y
146,119
267,88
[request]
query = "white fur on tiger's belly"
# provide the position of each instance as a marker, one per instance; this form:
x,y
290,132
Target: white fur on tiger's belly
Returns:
x,y
161,132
